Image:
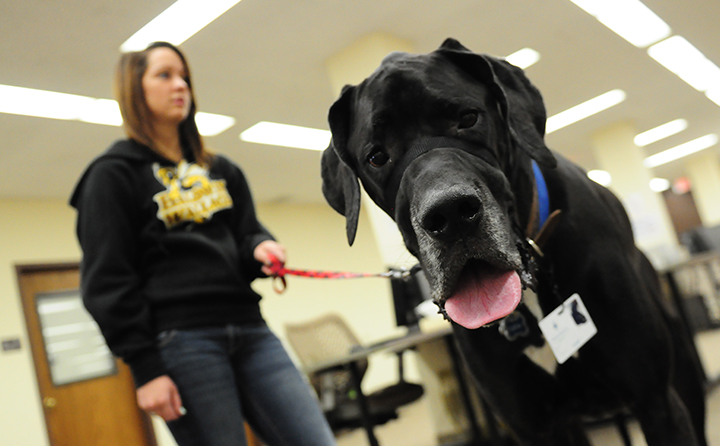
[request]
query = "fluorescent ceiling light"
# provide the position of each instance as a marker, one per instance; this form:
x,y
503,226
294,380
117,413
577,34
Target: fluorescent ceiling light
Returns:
x,y
600,176
53,105
287,136
42,104
680,151
102,111
682,58
523,58
210,124
582,111
714,95
660,132
659,184
630,19
178,23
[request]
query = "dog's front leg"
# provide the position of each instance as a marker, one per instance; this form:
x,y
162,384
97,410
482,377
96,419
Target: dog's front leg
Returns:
x,y
525,396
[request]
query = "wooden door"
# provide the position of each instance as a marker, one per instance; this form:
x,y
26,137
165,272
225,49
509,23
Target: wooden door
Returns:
x,y
94,405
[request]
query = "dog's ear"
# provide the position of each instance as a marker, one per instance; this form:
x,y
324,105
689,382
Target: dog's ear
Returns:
x,y
452,44
520,102
341,190
340,184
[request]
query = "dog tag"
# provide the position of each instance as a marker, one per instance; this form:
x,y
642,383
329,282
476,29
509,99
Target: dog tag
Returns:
x,y
514,326
568,328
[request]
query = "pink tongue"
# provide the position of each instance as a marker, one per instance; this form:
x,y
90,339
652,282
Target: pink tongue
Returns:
x,y
483,298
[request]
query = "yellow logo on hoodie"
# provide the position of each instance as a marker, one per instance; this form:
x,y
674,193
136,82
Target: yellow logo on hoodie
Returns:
x,y
190,195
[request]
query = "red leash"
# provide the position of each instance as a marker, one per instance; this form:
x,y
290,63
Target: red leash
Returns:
x,y
278,271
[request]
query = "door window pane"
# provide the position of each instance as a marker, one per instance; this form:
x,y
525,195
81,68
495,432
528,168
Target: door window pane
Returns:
x,y
75,348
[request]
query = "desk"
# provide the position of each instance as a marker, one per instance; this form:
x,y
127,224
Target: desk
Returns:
x,y
393,345
397,345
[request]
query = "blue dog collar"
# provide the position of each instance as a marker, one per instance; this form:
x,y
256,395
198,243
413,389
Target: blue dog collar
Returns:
x,y
543,197
542,222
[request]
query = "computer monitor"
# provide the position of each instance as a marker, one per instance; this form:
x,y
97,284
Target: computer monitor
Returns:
x,y
701,239
409,293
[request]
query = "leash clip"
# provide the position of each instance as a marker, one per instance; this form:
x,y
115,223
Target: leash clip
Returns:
x,y
398,273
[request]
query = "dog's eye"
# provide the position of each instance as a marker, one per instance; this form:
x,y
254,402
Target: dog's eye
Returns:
x,y
378,158
467,120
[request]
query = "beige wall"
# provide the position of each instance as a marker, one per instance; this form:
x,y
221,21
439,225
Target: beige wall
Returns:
x,y
31,231
42,231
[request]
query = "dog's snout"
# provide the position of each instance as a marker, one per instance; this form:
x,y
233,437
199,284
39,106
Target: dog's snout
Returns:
x,y
452,215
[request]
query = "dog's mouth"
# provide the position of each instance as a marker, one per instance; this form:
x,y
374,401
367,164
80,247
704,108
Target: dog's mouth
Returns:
x,y
483,294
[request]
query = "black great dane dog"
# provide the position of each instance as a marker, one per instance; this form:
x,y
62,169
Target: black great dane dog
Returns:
x,y
451,145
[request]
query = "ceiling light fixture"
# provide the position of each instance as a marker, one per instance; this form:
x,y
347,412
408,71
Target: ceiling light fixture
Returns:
x,y
659,184
523,58
630,19
714,95
687,62
102,111
41,103
584,110
177,23
680,151
287,136
660,132
53,105
211,124
600,176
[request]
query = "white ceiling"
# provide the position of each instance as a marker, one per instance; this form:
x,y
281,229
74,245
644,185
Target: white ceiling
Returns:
x,y
264,60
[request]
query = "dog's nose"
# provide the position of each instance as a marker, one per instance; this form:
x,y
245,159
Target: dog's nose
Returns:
x,y
452,215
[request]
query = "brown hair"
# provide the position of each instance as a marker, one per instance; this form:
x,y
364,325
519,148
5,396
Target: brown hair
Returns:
x,y
133,107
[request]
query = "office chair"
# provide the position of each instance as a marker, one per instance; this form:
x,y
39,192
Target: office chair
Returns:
x,y
328,338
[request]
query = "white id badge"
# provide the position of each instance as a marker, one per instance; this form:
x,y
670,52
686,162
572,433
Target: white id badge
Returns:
x,y
568,328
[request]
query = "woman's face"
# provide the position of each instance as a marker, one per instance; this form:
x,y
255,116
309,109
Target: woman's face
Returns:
x,y
165,86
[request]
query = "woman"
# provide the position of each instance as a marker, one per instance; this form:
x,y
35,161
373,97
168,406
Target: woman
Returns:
x,y
170,245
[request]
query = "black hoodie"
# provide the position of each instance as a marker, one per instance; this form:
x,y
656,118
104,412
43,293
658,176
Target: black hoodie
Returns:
x,y
165,246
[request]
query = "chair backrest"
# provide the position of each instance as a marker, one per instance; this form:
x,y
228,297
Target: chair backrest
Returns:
x,y
323,339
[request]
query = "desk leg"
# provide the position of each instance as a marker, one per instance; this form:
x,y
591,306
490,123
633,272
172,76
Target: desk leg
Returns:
x,y
464,391
362,401
676,297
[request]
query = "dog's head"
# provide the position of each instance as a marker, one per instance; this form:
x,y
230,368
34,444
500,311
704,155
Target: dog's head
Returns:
x,y
436,140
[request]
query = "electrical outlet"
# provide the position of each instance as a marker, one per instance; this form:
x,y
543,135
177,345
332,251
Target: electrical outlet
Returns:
x,y
11,344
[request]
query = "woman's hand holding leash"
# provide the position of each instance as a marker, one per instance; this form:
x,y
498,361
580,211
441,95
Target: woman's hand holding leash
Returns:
x,y
268,253
277,270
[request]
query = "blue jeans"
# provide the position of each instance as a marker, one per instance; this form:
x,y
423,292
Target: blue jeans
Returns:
x,y
227,375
